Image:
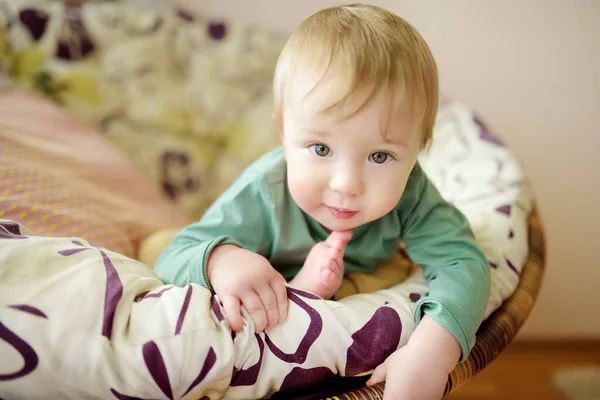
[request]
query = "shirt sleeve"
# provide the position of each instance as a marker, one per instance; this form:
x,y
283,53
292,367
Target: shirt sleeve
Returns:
x,y
243,216
439,238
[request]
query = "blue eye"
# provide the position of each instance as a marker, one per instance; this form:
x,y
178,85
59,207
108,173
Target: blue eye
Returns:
x,y
379,157
320,149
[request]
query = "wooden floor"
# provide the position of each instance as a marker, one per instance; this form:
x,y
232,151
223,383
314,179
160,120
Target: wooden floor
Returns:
x,y
526,371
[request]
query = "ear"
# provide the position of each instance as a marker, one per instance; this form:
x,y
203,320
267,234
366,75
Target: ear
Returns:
x,y
278,125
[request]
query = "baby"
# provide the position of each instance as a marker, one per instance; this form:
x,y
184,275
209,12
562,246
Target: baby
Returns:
x,y
356,94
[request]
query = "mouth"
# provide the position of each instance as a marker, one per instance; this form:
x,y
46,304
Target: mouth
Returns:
x,y
341,213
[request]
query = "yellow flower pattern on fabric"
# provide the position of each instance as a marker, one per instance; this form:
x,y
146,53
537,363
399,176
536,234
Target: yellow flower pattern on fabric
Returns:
x,y
184,96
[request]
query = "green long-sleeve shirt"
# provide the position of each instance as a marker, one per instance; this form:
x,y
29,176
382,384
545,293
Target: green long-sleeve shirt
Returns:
x,y
258,213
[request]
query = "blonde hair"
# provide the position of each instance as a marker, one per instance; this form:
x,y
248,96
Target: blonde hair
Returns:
x,y
367,48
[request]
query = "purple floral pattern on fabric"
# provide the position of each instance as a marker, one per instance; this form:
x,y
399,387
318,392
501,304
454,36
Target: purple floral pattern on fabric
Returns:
x,y
75,42
158,370
185,16
123,397
300,378
113,294
10,230
145,295
113,291
248,377
30,358
29,309
314,330
511,266
217,30
374,342
184,308
35,21
498,181
216,307
176,186
306,295
506,210
485,134
414,297
209,363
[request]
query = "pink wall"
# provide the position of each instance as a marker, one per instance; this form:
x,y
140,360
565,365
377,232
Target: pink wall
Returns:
x,y
532,69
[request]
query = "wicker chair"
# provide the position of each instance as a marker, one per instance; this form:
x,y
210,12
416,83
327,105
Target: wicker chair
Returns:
x,y
493,335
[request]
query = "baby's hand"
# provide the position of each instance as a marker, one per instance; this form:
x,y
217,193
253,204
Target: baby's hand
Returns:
x,y
420,369
242,277
409,378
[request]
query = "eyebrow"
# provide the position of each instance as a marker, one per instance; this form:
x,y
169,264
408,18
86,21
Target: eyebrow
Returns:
x,y
319,132
314,132
322,133
394,142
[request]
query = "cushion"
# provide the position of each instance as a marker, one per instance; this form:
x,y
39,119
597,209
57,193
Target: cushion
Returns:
x,y
191,119
60,177
131,337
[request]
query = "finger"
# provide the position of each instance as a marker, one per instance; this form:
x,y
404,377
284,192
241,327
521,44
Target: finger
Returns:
x,y
346,235
378,375
269,302
255,308
231,308
398,389
336,261
339,239
333,240
336,255
280,291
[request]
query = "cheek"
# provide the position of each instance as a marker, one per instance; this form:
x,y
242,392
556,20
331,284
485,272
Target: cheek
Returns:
x,y
304,184
301,193
388,203
385,192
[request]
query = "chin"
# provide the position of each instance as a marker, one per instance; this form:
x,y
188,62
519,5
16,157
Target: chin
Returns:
x,y
339,225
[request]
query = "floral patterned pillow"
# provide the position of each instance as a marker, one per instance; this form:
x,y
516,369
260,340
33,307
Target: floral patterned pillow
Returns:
x,y
187,98
60,177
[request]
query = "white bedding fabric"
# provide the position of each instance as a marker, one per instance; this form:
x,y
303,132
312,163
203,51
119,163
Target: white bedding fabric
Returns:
x,y
78,321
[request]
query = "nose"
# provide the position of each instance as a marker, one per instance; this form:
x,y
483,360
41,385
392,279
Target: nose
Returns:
x,y
347,182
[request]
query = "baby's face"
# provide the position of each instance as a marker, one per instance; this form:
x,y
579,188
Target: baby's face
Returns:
x,y
345,172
